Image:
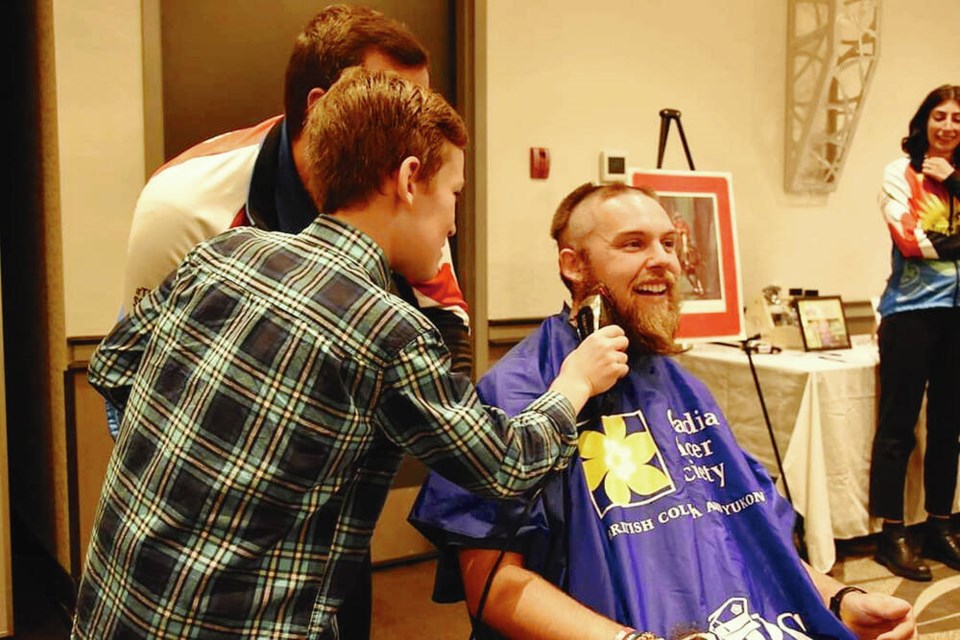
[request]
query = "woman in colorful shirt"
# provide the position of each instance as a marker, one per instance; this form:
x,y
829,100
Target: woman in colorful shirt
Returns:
x,y
919,336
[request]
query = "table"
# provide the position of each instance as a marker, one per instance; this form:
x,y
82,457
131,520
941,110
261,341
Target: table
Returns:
x,y
823,410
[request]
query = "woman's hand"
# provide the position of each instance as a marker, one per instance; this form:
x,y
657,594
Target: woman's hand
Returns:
x,y
937,168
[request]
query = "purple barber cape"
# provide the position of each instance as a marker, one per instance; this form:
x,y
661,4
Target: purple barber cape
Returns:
x,y
662,522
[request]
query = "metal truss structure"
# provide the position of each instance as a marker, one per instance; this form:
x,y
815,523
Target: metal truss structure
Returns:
x,y
832,51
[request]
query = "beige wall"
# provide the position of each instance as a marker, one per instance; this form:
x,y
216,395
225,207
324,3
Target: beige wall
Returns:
x,y
578,77
93,167
99,85
575,77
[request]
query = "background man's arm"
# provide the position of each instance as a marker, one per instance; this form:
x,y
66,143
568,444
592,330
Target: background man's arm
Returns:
x,y
159,240
522,604
441,301
456,335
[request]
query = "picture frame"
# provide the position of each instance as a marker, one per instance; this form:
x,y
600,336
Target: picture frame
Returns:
x,y
823,324
701,205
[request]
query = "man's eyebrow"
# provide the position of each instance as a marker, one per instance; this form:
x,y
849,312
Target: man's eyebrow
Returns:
x,y
645,232
641,233
630,233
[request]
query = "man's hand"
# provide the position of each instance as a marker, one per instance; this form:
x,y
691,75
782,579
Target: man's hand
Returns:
x,y
877,615
594,366
937,168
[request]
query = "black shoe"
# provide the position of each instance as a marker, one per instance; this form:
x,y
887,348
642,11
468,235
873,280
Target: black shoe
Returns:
x,y
895,553
943,546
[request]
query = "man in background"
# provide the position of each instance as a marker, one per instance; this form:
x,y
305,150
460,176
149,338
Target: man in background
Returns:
x,y
663,524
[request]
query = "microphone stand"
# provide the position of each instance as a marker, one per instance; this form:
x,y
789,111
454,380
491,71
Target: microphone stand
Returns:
x,y
799,535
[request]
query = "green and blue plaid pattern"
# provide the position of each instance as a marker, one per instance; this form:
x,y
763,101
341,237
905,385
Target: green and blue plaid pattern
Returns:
x,y
269,388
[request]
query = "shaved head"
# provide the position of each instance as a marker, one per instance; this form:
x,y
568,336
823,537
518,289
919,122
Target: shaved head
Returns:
x,y
569,229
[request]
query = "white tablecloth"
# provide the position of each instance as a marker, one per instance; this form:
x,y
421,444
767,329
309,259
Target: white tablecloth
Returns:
x,y
823,409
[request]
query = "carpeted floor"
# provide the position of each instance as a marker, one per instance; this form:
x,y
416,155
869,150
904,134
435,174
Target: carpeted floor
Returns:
x,y
936,604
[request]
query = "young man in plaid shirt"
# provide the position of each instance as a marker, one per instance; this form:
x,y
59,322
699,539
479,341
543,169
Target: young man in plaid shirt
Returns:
x,y
271,384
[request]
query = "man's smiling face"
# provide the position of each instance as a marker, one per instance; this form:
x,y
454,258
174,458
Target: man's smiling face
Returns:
x,y
628,246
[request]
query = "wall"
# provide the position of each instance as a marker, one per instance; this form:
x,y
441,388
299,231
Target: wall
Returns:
x,y
245,54
577,79
87,127
99,88
580,77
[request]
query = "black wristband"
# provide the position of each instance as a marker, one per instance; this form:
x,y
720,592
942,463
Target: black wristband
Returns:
x,y
837,598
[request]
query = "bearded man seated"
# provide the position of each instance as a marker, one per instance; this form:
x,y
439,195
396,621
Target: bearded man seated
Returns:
x,y
663,525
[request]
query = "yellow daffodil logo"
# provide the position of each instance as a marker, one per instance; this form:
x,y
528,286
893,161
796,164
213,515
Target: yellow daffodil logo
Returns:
x,y
628,466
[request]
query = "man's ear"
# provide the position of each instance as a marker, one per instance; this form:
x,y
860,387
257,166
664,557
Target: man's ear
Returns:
x,y
407,179
571,264
315,94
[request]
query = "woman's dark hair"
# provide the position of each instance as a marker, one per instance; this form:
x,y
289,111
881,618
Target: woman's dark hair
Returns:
x,y
916,144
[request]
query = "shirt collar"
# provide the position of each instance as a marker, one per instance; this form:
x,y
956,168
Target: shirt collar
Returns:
x,y
358,246
295,208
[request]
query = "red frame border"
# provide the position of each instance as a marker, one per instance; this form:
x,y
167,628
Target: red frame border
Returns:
x,y
713,325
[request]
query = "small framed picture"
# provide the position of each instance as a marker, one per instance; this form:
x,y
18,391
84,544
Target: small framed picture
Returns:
x,y
822,323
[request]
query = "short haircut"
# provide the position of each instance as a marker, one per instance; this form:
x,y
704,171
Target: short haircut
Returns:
x,y
602,192
360,132
336,38
916,143
588,190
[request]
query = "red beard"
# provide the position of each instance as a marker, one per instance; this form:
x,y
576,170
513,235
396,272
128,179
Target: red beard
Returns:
x,y
649,322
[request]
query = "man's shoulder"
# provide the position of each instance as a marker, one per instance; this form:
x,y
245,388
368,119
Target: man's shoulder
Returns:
x,y
526,370
214,174
191,198
224,145
204,180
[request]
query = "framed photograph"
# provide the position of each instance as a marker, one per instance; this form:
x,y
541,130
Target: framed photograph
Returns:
x,y
701,205
822,323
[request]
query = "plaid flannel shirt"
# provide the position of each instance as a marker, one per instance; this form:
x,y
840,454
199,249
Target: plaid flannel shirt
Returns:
x,y
269,388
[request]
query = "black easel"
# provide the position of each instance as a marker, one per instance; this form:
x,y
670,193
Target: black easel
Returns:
x,y
747,346
666,116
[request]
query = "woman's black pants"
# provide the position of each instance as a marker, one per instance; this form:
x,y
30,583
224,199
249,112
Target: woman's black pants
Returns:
x,y
919,350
